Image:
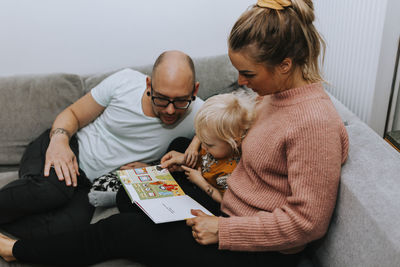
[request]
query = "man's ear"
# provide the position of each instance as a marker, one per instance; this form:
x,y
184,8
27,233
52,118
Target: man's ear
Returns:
x,y
285,66
148,83
196,88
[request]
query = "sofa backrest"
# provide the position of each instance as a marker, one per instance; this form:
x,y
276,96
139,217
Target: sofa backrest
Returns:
x,y
215,74
30,103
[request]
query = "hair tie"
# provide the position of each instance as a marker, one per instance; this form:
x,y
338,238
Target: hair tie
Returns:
x,y
274,4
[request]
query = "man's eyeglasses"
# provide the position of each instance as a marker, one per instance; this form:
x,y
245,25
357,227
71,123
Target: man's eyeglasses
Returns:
x,y
164,102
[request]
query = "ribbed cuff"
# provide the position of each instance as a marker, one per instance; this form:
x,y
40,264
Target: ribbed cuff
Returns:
x,y
223,233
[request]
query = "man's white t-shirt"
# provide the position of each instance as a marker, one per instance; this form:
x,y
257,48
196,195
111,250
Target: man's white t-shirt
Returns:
x,y
123,133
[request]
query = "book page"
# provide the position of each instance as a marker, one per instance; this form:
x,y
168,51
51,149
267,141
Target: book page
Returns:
x,y
171,209
149,183
157,193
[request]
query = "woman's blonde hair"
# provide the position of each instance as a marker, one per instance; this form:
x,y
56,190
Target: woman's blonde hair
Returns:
x,y
268,35
227,116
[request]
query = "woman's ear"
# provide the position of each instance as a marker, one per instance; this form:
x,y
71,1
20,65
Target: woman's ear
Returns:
x,y
238,141
285,66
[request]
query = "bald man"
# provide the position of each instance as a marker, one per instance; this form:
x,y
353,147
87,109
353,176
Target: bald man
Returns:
x,y
126,121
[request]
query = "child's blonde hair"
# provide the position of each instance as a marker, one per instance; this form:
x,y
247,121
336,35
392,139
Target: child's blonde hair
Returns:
x,y
227,116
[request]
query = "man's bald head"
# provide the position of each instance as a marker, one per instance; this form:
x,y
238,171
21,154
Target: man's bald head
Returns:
x,y
174,61
173,79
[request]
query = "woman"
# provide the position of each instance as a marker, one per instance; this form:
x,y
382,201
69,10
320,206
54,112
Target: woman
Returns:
x,y
281,195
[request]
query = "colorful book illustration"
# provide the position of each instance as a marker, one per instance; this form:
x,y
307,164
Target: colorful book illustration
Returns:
x,y
157,193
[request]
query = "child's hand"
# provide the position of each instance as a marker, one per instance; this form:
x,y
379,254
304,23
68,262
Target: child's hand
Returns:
x,y
191,157
197,178
192,153
173,161
193,175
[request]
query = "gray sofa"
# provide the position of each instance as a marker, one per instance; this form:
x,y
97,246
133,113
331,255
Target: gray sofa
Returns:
x,y
365,229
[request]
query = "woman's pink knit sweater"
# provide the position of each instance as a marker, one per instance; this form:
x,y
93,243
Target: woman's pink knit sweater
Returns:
x,y
282,194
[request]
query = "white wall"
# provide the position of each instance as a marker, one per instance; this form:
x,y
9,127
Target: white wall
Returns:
x,y
386,68
86,36
362,38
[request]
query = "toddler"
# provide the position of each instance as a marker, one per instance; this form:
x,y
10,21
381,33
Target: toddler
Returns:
x,y
221,124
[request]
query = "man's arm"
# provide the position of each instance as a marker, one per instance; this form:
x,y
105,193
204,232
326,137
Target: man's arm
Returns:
x,y
59,154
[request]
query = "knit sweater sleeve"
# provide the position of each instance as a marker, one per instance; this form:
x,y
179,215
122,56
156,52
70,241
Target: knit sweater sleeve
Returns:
x,y
315,150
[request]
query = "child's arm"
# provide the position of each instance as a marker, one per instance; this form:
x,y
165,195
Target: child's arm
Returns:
x,y
173,161
192,152
195,177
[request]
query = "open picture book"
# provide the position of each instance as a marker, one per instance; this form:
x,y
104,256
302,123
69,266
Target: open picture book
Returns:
x,y
157,193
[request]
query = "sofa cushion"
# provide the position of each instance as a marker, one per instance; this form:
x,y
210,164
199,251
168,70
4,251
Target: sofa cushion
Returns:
x,y
216,76
7,177
365,226
91,81
347,116
29,105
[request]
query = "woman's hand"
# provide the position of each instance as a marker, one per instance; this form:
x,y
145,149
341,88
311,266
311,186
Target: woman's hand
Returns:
x,y
192,153
204,227
60,157
173,161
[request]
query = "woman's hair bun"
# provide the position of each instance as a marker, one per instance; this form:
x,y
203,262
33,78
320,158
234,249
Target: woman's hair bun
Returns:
x,y
274,4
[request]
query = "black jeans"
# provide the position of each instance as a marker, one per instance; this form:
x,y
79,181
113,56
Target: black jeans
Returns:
x,y
37,206
131,234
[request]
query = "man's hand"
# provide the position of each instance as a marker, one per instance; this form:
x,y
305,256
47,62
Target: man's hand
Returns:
x,y
173,161
204,227
133,165
59,154
60,157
